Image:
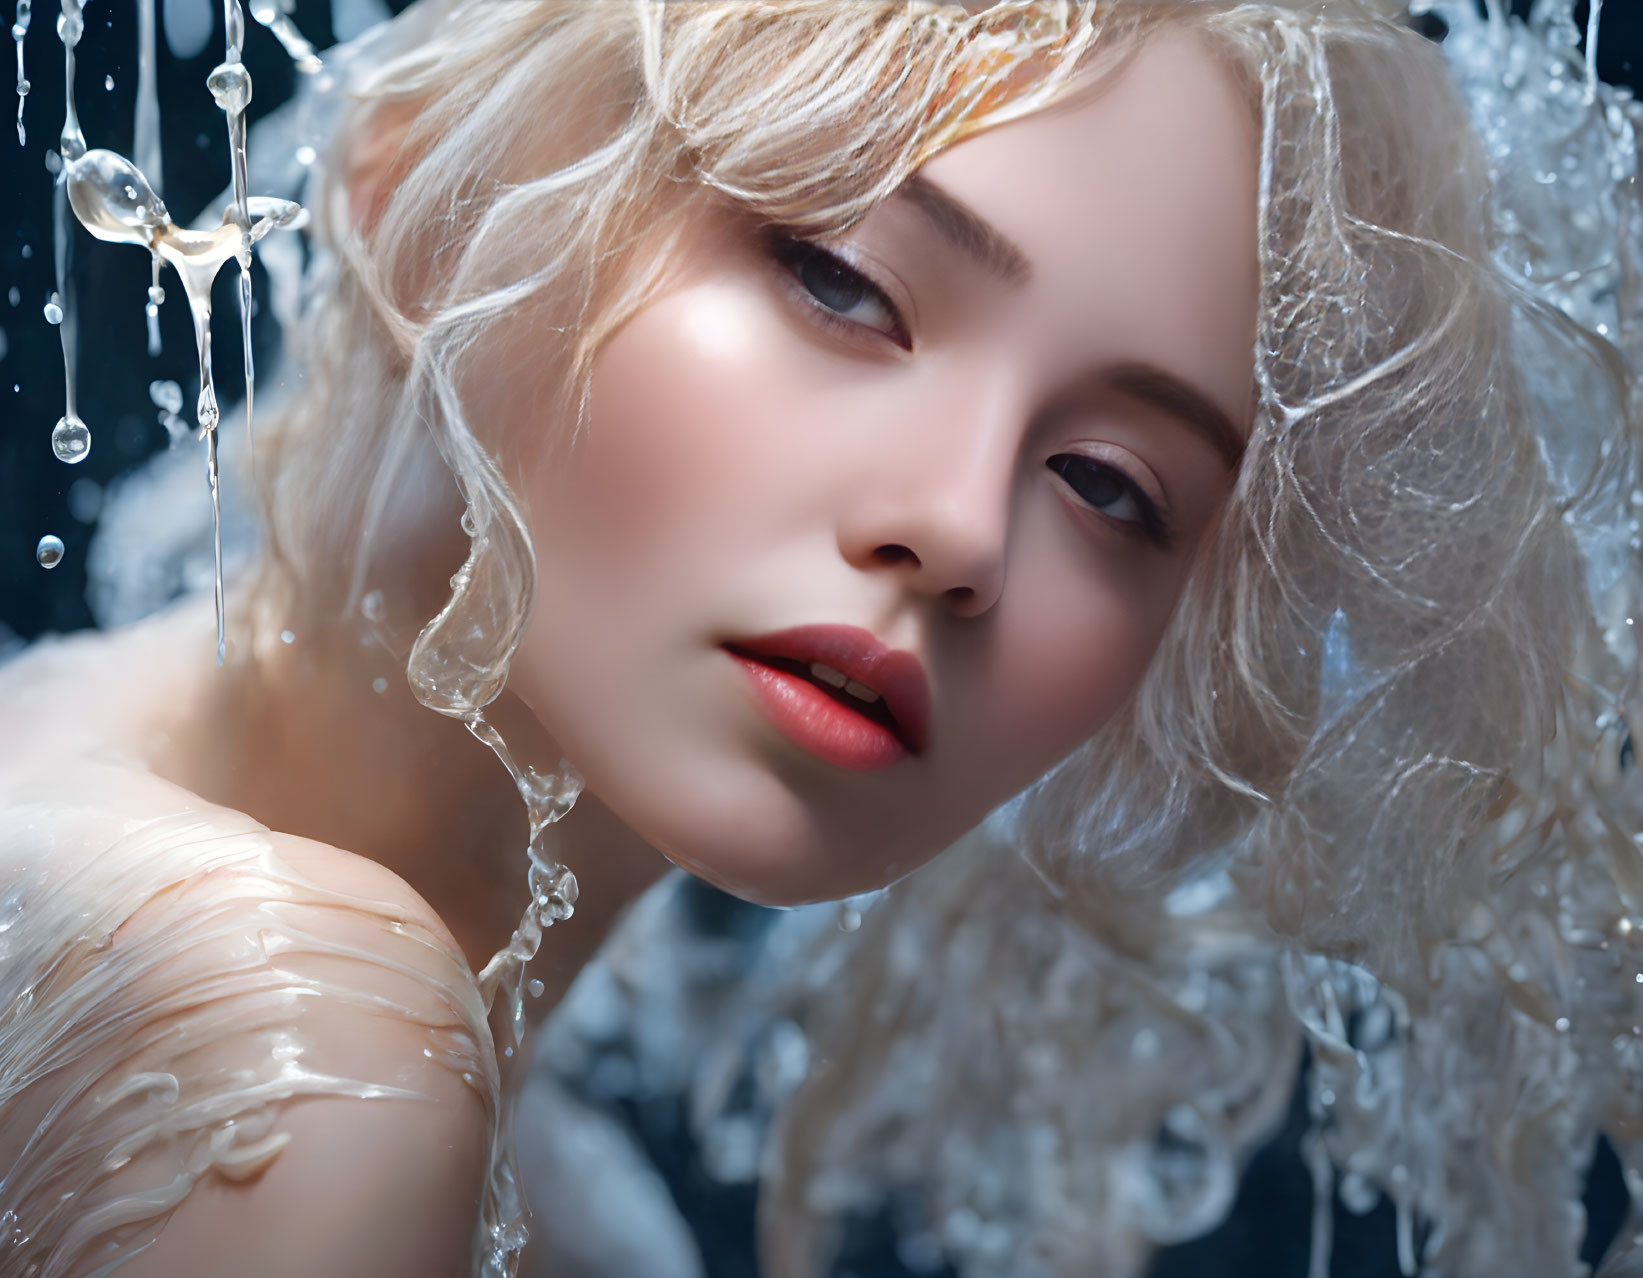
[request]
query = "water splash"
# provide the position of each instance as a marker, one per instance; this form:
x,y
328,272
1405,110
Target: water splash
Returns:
x,y
114,201
553,895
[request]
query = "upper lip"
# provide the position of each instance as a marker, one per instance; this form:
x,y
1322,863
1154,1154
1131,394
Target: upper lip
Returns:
x,y
855,653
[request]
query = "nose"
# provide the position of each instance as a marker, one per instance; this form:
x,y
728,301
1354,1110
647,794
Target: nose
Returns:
x,y
937,516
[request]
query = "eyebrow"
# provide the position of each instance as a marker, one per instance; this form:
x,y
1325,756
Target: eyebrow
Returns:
x,y
1182,401
966,230
976,237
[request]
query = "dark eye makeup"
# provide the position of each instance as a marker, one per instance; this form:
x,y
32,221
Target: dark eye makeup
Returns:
x,y
839,296
1115,496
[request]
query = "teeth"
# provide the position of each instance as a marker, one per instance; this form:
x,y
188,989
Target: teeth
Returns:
x,y
826,674
833,679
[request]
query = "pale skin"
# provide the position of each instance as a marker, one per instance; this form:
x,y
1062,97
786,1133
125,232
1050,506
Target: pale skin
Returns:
x,y
878,438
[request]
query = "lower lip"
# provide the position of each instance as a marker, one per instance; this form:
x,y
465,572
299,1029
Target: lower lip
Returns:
x,y
812,720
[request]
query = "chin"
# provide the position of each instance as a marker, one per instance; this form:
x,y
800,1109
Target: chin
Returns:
x,y
787,872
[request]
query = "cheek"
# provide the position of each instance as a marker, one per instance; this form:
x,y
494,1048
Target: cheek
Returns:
x,y
683,439
1068,654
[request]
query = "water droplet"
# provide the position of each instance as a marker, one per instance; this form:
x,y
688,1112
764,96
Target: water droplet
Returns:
x,y
27,251
230,85
205,410
379,685
306,155
108,83
558,901
53,311
156,296
849,918
49,553
14,295
70,440
166,396
70,27
288,636
536,988
114,201
1561,1025
371,606
468,525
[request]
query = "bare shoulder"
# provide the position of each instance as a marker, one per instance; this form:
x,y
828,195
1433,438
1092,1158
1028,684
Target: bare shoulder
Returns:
x,y
360,1189
384,1183
296,1020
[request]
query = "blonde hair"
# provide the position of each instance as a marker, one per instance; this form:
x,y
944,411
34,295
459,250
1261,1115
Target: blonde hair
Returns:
x,y
1374,706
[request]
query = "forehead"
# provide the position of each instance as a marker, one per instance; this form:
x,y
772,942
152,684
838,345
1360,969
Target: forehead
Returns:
x,y
1135,203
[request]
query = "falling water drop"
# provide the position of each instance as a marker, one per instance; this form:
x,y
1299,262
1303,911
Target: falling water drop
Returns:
x,y
70,440
230,85
53,311
70,27
49,553
19,29
108,83
536,987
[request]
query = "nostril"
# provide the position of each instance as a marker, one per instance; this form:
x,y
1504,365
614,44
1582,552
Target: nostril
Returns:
x,y
892,554
961,595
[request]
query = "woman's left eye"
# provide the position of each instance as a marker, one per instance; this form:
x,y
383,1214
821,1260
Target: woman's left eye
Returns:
x,y
1114,494
840,293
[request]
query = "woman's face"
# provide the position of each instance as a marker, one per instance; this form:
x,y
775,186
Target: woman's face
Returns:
x,y
961,458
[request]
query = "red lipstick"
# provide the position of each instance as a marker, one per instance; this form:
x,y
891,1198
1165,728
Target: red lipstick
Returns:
x,y
839,693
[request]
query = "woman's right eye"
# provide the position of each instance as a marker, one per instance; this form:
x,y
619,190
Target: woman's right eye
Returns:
x,y
841,296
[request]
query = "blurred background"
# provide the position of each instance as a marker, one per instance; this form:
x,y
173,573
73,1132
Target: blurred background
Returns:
x,y
700,1199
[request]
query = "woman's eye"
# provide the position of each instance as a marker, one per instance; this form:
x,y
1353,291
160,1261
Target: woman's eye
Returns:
x,y
841,293
1111,492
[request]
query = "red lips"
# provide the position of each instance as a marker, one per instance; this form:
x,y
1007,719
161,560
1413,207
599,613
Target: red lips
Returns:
x,y
855,653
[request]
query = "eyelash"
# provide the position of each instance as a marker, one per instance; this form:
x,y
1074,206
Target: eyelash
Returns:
x,y
1151,526
792,255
